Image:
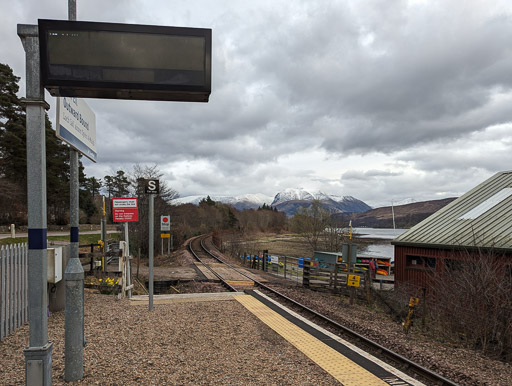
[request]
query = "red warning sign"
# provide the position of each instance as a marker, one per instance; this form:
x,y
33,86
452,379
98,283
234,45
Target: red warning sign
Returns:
x,y
125,209
165,223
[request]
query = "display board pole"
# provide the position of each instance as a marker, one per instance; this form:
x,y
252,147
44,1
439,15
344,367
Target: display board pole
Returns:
x,y
74,274
74,277
38,354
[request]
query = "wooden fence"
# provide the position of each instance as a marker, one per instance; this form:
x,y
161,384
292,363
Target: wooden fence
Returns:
x,y
13,288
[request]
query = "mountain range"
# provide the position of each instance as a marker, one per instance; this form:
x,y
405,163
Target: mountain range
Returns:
x,y
287,201
405,216
245,201
406,212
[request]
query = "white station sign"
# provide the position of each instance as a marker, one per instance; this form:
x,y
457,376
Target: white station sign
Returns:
x,y
76,125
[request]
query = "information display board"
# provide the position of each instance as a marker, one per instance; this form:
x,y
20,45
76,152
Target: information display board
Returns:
x,y
125,61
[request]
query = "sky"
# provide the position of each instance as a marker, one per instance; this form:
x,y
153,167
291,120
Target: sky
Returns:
x,y
381,100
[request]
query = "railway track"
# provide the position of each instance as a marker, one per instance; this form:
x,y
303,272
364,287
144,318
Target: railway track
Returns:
x,y
207,259
396,359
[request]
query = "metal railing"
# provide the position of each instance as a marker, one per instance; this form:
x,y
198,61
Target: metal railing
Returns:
x,y
287,267
13,288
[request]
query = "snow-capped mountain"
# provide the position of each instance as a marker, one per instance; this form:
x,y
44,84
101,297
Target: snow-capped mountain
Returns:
x,y
244,201
290,200
291,194
287,201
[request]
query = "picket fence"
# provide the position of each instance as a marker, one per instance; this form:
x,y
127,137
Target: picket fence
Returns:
x,y
13,288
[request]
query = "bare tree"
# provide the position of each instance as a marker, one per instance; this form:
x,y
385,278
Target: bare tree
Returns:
x,y
311,223
471,301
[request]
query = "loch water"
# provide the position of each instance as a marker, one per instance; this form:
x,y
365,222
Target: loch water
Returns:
x,y
382,247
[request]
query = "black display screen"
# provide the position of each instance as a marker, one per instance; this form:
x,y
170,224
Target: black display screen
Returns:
x,y
125,61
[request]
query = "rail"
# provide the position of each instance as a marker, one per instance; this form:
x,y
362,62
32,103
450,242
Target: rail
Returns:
x,y
205,250
395,357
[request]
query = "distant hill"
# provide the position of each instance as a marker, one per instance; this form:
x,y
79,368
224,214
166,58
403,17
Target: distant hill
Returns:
x,y
406,216
287,201
290,200
242,202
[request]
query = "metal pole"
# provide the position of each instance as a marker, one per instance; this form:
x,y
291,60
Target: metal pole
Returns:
x,y
128,259
126,239
103,235
169,245
71,9
74,274
151,247
38,354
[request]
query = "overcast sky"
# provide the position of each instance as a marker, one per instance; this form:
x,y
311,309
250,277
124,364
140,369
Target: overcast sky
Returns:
x,y
381,100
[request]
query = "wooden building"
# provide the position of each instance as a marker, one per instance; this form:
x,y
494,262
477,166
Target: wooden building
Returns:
x,y
480,220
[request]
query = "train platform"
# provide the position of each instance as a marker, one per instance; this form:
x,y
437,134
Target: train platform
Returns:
x,y
344,362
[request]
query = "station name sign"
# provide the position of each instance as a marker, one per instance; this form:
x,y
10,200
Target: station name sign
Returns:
x,y
76,125
125,61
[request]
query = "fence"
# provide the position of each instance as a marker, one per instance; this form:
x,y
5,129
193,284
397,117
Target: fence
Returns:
x,y
313,274
13,288
285,266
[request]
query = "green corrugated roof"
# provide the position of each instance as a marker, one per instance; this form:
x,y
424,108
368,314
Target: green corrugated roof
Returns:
x,y
482,217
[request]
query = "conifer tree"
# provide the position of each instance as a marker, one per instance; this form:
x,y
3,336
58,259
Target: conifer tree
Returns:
x,y
13,153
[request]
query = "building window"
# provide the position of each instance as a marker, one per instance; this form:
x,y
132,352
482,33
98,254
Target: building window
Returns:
x,y
420,262
414,261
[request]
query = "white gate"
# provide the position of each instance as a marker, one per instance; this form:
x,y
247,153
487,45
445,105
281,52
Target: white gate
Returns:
x,y
13,288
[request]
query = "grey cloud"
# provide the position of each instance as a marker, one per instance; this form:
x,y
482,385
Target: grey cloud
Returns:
x,y
359,175
409,81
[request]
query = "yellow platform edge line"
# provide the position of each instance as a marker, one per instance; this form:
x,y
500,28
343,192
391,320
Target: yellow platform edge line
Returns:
x,y
337,365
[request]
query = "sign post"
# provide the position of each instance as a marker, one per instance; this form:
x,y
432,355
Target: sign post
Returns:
x,y
76,125
125,210
151,187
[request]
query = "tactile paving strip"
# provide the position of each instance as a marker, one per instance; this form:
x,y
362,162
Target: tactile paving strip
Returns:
x,y
336,364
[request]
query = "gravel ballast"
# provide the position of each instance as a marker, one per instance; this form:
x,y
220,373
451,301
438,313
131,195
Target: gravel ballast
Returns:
x,y
223,343
183,343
